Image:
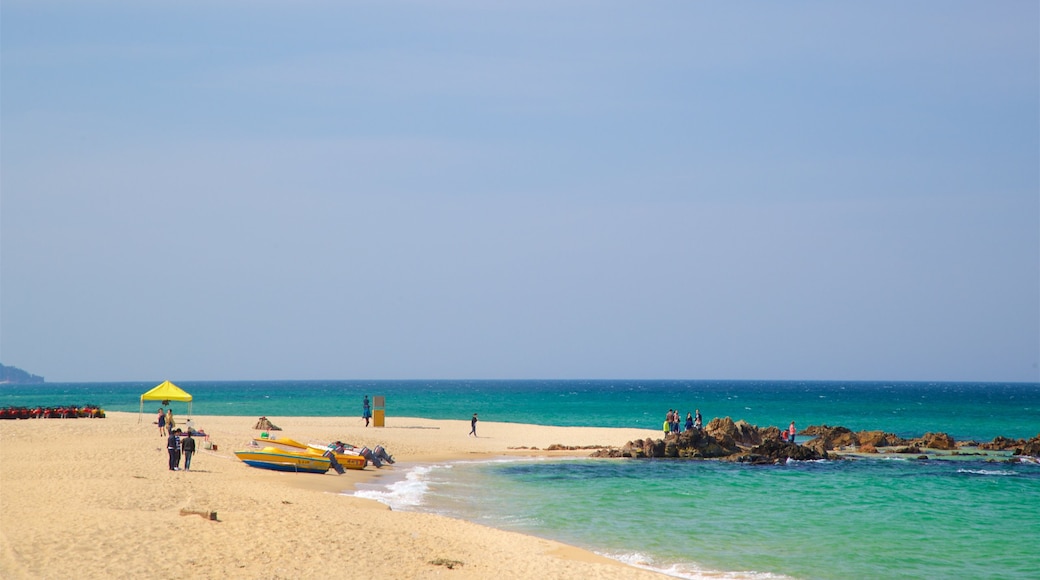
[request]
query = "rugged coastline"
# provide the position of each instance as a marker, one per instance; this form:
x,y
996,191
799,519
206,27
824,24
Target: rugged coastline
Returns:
x,y
727,440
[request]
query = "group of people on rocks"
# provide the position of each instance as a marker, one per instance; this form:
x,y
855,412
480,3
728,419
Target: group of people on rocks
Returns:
x,y
694,421
672,422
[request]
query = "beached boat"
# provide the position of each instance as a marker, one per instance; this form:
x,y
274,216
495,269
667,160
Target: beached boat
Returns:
x,y
347,460
282,460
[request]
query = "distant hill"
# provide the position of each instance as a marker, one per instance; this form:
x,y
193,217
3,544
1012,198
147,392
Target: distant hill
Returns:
x,y
15,375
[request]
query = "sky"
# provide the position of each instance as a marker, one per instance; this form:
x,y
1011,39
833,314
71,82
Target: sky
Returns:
x,y
267,190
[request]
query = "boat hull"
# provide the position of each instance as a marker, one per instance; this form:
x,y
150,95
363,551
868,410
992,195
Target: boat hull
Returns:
x,y
347,460
279,460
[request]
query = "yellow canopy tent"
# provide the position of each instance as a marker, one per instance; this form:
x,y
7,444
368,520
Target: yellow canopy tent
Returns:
x,y
166,391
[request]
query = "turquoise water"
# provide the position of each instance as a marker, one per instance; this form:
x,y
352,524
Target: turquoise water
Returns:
x,y
850,519
962,517
964,410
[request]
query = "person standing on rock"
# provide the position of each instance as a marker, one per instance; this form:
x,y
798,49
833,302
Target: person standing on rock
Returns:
x,y
791,432
697,421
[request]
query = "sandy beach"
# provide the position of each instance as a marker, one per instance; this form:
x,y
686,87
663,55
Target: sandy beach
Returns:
x,y
93,498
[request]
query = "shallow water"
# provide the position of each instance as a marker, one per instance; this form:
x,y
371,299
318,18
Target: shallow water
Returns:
x,y
875,518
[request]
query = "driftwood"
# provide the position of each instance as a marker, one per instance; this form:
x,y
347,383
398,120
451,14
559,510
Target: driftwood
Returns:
x,y
206,514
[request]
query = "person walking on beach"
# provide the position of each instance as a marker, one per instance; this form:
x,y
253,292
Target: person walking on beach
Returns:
x,y
791,432
162,423
473,425
366,410
188,448
173,449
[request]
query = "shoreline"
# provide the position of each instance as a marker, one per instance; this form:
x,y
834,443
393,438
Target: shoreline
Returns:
x,y
93,498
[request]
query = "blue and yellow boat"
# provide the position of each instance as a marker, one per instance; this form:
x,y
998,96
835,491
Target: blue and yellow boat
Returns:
x,y
347,460
282,460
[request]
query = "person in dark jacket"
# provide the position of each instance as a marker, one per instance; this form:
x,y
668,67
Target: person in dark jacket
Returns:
x,y
173,448
188,448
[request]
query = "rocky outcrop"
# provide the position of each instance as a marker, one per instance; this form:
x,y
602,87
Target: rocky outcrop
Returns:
x,y
1031,447
879,439
699,444
940,441
724,430
775,452
826,438
1001,443
740,441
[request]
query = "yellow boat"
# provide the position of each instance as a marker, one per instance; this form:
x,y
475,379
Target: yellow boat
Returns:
x,y
347,460
282,460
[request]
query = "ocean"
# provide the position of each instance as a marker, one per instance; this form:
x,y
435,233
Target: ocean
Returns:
x,y
955,516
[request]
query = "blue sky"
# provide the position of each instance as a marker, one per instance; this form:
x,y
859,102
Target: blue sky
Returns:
x,y
339,190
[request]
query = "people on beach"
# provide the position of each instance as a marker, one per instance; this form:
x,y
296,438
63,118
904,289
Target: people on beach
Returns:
x,y
162,423
190,426
173,448
188,449
473,425
366,410
791,432
169,420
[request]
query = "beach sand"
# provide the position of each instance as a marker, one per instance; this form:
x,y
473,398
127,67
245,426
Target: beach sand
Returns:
x,y
94,498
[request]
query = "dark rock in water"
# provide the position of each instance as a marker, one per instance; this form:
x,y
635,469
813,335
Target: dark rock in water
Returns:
x,y
747,434
938,441
1031,447
724,430
879,439
1001,443
773,452
770,433
699,444
832,437
908,450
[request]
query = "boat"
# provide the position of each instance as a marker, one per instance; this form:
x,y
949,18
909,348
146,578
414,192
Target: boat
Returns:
x,y
282,460
346,460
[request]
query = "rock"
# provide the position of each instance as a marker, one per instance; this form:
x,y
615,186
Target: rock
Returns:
x,y
908,450
698,444
1031,447
746,434
868,448
773,452
671,448
879,439
831,437
1001,443
770,433
724,431
938,441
